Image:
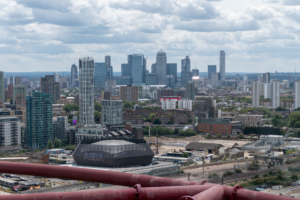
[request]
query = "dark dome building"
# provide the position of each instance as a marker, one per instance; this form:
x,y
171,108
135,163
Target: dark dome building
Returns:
x,y
114,153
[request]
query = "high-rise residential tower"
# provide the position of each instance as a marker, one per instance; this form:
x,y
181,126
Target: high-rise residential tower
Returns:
x,y
275,100
161,67
108,66
2,87
86,91
74,75
255,93
296,94
39,127
49,86
222,65
266,78
190,89
137,69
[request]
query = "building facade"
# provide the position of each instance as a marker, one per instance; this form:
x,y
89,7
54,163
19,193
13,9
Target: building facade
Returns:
x,y
296,94
112,112
151,79
19,95
185,104
250,120
161,67
170,81
126,69
205,107
255,93
39,127
100,76
190,89
129,93
59,128
186,74
2,92
137,69
10,132
123,80
172,70
275,94
49,86
219,126
168,104
86,91
74,75
211,69
267,90
222,65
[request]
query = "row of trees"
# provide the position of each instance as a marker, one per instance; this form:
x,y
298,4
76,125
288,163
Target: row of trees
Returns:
x,y
261,130
57,143
162,131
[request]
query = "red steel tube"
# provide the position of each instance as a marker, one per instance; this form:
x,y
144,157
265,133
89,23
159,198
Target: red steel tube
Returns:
x,y
243,194
214,193
90,175
159,193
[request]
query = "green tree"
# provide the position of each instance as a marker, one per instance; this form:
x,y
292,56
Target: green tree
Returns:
x,y
157,121
209,136
185,155
281,109
50,144
294,117
97,117
297,124
64,142
127,105
67,108
97,106
219,135
57,143
70,116
294,177
241,136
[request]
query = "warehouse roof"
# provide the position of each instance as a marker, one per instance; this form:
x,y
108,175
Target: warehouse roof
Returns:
x,y
201,146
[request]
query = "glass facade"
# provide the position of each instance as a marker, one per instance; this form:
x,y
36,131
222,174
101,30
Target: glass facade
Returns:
x,y
100,75
161,67
137,69
2,87
19,95
172,70
211,69
126,69
39,127
123,80
151,79
222,65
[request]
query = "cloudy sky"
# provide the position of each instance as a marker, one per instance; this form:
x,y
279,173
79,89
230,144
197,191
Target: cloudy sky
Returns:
x,y
257,35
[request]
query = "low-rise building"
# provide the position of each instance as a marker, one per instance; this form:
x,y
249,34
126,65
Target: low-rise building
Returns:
x,y
168,104
250,120
219,126
133,119
208,148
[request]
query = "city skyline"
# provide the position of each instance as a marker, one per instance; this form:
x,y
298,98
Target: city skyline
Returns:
x,y
257,35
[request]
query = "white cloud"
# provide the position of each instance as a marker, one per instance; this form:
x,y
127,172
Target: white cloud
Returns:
x,y
52,33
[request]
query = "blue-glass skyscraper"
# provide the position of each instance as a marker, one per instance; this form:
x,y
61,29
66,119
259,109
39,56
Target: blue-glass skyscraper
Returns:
x,y
172,70
100,75
126,69
137,69
211,69
39,127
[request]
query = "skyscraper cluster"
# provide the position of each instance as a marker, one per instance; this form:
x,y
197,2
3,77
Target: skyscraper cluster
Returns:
x,y
217,78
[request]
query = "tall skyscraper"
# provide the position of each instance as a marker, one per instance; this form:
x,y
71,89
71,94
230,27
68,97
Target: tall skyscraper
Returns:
x,y
186,74
172,70
170,81
49,86
161,67
86,91
126,69
11,80
144,70
296,94
108,67
151,79
137,69
275,94
211,69
190,89
2,87
195,72
267,90
74,75
100,77
266,78
255,93
222,65
39,127
153,68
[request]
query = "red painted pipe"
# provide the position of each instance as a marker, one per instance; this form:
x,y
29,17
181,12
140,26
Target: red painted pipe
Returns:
x,y
159,193
90,175
214,193
237,193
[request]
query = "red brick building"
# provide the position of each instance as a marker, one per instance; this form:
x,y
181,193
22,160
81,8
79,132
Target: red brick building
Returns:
x,y
217,126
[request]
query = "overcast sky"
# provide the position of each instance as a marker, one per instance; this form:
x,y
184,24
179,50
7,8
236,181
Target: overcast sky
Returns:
x,y
47,35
